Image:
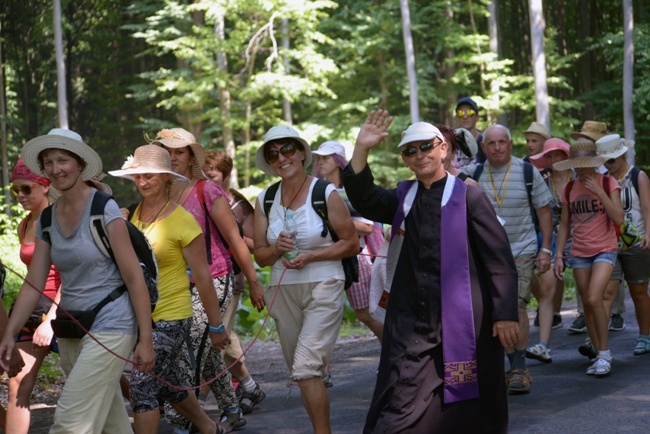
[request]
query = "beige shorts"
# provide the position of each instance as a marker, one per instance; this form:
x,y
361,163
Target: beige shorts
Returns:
x,y
308,317
525,268
234,350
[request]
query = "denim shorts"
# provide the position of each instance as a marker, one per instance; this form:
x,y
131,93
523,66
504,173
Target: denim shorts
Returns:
x,y
576,262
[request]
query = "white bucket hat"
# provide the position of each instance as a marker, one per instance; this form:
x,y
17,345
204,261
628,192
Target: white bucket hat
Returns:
x,y
278,133
179,138
58,138
418,132
611,146
330,147
147,159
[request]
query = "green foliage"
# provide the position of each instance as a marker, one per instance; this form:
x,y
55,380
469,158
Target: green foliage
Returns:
x,y
9,248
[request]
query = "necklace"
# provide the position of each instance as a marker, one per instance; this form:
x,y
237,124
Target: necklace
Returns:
x,y
619,179
146,223
502,189
286,208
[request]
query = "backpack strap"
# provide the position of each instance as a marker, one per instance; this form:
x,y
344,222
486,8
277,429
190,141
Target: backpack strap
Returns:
x,y
269,197
200,185
478,171
528,181
97,224
634,175
320,206
46,223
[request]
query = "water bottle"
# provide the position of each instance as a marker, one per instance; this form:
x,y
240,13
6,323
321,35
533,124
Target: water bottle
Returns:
x,y
291,228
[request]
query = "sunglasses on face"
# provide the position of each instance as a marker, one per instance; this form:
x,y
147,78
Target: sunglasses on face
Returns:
x,y
24,189
272,155
610,161
425,148
468,113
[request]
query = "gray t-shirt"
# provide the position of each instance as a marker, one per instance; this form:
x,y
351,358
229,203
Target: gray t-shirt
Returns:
x,y
87,276
514,209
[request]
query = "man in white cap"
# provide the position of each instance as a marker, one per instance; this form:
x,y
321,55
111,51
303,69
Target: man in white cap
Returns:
x,y
503,180
441,366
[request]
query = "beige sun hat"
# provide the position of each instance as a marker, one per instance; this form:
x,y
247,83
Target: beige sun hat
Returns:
x,y
612,146
582,153
59,138
147,159
539,129
278,133
591,130
179,138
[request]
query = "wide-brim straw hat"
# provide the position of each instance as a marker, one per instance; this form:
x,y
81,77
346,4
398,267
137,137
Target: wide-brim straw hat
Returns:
x,y
180,138
278,133
147,159
550,145
582,153
611,146
59,138
591,130
539,129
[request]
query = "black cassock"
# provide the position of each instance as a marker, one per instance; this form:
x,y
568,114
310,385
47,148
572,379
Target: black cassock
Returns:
x,y
408,395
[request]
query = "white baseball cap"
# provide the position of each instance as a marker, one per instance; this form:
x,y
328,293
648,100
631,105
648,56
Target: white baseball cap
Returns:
x,y
418,132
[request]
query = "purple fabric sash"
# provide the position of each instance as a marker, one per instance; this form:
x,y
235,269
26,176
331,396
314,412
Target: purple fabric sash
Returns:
x,y
458,336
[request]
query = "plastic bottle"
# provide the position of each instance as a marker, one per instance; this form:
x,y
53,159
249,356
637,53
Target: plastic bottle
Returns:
x,y
291,228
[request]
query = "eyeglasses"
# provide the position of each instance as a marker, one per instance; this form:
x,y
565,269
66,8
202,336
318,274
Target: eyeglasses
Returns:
x,y
468,113
425,148
610,161
287,149
24,189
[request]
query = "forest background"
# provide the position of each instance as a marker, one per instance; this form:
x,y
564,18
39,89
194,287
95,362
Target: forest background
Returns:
x,y
229,70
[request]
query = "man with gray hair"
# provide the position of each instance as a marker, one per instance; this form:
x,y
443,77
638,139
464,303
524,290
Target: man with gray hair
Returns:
x,y
452,305
513,192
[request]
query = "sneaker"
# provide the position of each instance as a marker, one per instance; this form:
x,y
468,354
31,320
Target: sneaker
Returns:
x,y
250,399
616,323
578,326
587,349
539,352
231,421
557,321
642,346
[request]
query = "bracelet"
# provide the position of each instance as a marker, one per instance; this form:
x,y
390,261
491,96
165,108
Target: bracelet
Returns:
x,y
218,329
547,251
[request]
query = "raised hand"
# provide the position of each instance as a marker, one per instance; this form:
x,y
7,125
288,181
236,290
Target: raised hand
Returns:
x,y
373,130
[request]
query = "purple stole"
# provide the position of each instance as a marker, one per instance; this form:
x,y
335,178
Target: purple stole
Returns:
x,y
458,336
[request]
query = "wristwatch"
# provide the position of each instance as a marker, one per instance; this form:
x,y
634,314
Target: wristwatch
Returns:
x,y
219,329
547,251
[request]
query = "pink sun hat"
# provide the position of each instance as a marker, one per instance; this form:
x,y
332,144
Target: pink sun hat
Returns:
x,y
550,145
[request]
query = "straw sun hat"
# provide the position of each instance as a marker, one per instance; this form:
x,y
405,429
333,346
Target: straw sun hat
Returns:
x,y
179,138
147,159
67,140
582,153
278,133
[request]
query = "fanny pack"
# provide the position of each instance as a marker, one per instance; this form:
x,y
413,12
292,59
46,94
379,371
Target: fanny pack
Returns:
x,y
65,327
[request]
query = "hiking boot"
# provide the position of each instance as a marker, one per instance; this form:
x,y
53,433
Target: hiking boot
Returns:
x,y
587,349
557,321
616,323
539,352
231,421
250,399
578,326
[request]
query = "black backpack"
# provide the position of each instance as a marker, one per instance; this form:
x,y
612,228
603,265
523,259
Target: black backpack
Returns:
x,y
350,264
139,242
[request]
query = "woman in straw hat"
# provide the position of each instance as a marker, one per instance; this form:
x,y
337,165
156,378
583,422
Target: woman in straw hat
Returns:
x,y
547,286
208,203
177,242
633,260
36,339
91,400
308,302
593,209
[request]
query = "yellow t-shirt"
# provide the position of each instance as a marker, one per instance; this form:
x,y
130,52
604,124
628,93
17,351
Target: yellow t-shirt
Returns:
x,y
168,237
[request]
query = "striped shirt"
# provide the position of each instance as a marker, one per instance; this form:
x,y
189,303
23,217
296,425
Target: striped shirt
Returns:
x,y
507,193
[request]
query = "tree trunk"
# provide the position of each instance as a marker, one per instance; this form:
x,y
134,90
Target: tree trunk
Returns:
x,y
410,61
3,127
584,18
628,78
495,48
286,104
537,26
62,102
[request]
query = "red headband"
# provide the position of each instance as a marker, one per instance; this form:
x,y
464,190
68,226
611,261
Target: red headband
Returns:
x,y
22,172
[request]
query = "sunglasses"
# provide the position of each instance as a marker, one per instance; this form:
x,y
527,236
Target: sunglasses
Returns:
x,y
610,161
24,189
272,155
468,113
425,148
